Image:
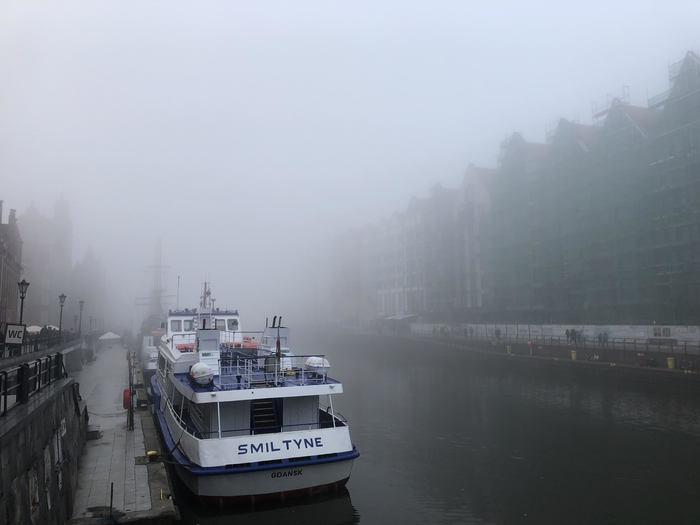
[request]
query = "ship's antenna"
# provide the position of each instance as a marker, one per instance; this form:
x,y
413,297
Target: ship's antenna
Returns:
x,y
212,302
177,300
278,354
279,349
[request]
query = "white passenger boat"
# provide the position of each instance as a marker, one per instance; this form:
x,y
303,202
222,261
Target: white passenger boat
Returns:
x,y
241,416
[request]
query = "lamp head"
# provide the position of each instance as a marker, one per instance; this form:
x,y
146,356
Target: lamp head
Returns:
x,y
23,285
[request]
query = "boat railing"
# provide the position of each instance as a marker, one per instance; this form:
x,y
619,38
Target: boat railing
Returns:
x,y
186,341
265,369
328,409
184,424
325,421
240,336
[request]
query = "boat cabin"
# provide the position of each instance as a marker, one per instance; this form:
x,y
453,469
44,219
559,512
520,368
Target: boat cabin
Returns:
x,y
182,325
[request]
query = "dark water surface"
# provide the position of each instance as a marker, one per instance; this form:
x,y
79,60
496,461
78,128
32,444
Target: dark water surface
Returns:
x,y
450,437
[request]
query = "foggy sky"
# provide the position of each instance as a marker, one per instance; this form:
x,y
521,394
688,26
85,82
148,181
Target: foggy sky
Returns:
x,y
243,134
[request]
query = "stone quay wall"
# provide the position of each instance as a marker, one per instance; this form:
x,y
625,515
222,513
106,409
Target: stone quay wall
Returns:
x,y
40,444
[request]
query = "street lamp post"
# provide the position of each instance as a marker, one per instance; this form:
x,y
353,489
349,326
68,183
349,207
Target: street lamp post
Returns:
x,y
62,301
80,322
22,285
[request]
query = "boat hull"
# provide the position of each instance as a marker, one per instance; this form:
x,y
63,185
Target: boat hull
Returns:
x,y
263,484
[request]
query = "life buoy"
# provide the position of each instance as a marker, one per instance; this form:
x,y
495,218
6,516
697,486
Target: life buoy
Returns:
x,y
126,400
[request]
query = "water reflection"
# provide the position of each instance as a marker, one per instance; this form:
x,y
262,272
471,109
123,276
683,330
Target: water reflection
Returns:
x,y
333,508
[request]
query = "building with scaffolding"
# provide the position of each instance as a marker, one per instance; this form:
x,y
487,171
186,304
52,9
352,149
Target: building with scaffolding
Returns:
x,y
670,266
601,225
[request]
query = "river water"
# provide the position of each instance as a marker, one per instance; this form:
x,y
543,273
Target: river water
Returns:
x,y
447,436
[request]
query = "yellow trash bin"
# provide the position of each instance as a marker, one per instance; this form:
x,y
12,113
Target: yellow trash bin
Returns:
x,y
671,362
573,355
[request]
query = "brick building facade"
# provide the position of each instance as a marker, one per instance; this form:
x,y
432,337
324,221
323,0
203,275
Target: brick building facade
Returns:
x,y
10,269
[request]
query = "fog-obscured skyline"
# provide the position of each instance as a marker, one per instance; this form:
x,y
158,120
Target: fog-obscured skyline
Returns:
x,y
244,134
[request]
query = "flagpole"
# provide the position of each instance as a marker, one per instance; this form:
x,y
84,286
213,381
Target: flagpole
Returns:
x,y
279,351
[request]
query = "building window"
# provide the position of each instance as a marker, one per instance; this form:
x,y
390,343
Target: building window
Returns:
x,y
233,324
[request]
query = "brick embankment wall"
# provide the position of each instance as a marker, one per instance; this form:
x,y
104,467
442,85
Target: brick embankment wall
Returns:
x,y
40,443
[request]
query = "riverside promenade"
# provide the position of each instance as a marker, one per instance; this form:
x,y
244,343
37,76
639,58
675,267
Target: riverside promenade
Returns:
x,y
116,482
648,364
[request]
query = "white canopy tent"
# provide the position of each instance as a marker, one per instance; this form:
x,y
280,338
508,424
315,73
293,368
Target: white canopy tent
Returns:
x,y
108,340
110,337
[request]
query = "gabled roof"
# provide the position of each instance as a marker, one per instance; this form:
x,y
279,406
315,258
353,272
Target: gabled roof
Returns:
x,y
582,136
477,175
622,115
686,77
480,172
528,154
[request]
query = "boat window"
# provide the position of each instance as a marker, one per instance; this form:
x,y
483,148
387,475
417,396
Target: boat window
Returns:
x,y
233,324
189,325
176,325
221,324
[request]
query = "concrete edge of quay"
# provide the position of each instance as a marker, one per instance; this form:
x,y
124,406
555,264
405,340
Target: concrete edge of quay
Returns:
x,y
163,509
162,502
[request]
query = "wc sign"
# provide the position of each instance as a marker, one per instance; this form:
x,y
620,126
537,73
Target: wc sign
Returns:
x,y
14,334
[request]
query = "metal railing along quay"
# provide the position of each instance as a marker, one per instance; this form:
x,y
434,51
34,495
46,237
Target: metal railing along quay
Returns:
x,y
36,343
683,356
19,383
